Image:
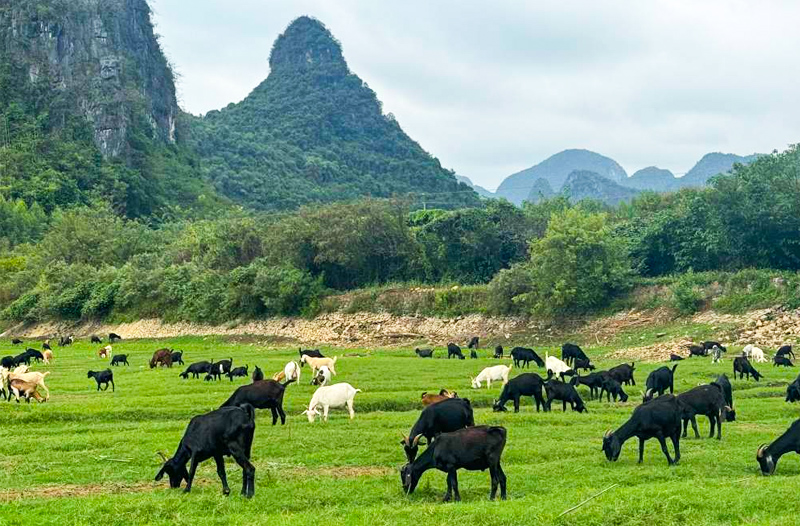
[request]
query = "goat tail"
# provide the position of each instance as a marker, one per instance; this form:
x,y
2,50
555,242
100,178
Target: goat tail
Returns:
x,y
250,410
674,367
45,373
358,390
287,382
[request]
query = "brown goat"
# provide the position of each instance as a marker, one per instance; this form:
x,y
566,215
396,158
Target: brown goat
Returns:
x,y
161,357
444,394
26,389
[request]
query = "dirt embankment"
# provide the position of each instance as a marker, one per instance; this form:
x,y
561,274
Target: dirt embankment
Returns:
x,y
330,329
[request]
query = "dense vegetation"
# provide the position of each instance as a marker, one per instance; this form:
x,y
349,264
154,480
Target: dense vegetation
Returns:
x,y
315,132
552,259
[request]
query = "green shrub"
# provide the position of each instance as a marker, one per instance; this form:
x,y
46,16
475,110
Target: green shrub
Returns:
x,y
687,297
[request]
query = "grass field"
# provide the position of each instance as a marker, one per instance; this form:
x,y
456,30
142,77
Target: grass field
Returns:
x,y
90,458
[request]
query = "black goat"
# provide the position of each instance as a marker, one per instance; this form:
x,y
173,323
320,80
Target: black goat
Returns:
x,y
16,341
612,388
675,358
659,381
580,363
768,455
777,361
225,432
594,381
525,384
46,346
177,357
258,374
220,368
523,356
64,341
312,353
743,366
558,390
570,351
623,373
238,372
793,390
113,337
95,339
265,394
454,350
196,369
103,378
498,352
710,345
21,358
473,448
119,359
785,350
697,350
424,353
727,393
707,400
441,417
8,362
473,343
659,418
33,354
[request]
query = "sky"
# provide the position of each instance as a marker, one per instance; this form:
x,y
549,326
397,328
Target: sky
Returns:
x,y
494,87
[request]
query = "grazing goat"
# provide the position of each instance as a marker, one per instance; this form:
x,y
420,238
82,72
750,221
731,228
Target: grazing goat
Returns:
x,y
526,384
95,339
769,455
291,371
196,369
35,355
557,367
424,353
570,351
558,390
498,352
264,394
523,356
793,390
781,360
454,350
498,373
103,378
659,418
222,367
225,432
33,377
727,392
612,388
238,372
338,395
22,358
66,340
161,357
675,358
785,350
113,337
310,353
105,352
323,376
474,449
258,374
743,366
707,400
177,357
710,345
9,362
659,381
47,357
428,399
316,363
752,352
579,363
594,381
120,359
473,343
16,341
442,417
28,390
697,350
623,373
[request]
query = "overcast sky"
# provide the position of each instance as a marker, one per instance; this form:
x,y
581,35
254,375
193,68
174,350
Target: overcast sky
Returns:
x,y
494,87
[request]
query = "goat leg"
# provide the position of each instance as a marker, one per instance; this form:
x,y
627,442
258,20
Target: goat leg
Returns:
x,y
222,475
192,471
663,444
641,450
502,479
493,475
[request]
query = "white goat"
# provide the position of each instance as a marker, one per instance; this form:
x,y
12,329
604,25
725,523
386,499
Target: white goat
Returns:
x,y
291,371
47,356
316,363
754,353
496,373
32,377
338,395
323,376
556,366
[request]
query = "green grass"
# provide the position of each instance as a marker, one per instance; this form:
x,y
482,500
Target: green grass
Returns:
x,y
60,460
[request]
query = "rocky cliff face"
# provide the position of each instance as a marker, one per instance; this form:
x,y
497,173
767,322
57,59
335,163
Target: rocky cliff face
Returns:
x,y
102,57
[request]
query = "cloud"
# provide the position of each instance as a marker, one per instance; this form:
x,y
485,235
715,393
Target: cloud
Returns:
x,y
494,87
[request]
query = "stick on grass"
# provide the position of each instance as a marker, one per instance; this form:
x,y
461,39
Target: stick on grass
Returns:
x,y
587,500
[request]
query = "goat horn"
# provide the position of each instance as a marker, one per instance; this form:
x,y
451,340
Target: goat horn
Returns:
x,y
416,440
760,452
163,456
607,433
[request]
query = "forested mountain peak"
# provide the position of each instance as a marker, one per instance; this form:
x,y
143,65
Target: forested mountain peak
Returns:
x,y
315,132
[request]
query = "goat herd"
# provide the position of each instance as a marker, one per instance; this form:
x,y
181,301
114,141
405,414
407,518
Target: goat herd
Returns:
x,y
446,423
